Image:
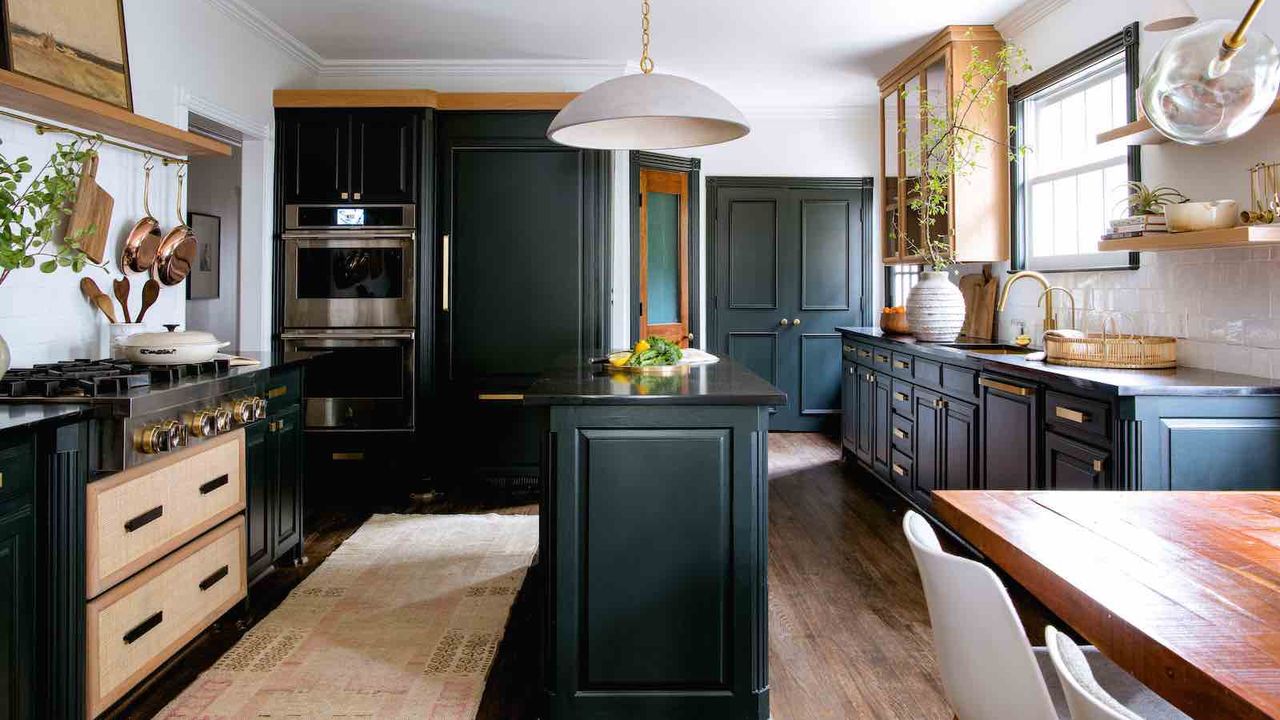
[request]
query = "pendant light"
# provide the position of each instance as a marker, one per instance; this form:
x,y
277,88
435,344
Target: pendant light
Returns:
x,y
1213,82
1165,15
647,111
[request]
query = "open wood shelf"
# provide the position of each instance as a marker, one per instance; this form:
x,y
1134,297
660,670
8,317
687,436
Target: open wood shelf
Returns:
x,y
1242,236
33,97
1140,132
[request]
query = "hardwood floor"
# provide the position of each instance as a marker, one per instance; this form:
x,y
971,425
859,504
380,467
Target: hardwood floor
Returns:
x,y
849,633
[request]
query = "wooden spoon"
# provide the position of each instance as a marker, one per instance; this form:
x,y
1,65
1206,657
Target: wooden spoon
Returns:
x,y
150,291
91,290
121,289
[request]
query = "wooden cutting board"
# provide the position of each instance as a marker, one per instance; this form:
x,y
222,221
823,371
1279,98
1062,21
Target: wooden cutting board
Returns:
x,y
92,210
979,290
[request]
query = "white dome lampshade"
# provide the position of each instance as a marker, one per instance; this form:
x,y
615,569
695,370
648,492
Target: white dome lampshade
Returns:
x,y
1165,15
647,111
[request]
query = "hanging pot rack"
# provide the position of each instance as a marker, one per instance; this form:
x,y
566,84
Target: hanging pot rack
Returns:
x,y
43,126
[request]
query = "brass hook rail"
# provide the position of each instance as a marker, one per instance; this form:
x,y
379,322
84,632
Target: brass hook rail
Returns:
x,y
43,126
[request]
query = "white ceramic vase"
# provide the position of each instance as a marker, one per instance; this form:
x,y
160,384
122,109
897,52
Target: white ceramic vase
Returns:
x,y
935,308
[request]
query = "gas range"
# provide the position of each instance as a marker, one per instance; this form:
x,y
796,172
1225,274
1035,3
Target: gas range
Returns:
x,y
147,410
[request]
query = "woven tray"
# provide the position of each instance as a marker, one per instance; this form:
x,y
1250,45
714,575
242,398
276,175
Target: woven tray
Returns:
x,y
1101,350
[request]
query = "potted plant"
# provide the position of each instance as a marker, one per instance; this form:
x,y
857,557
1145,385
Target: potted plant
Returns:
x,y
33,211
949,151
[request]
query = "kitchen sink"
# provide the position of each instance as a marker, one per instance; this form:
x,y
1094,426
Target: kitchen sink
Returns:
x,y
992,348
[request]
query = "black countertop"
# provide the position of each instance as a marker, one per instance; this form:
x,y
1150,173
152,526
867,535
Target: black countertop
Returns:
x,y
1176,381
579,382
16,417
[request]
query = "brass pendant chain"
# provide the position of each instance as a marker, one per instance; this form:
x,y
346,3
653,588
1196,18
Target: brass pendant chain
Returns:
x,y
646,62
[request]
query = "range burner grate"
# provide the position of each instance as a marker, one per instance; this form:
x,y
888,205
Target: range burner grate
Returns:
x,y
94,378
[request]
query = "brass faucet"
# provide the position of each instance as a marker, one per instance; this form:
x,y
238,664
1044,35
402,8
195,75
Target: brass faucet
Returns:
x,y
1049,322
1071,319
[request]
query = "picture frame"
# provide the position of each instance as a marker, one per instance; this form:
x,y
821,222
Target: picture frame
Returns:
x,y
63,43
205,278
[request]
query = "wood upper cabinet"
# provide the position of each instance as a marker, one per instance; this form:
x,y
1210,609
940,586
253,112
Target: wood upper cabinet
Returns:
x,y
331,155
922,85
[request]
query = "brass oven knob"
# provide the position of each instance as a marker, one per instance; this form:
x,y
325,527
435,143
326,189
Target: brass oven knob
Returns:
x,y
259,408
175,435
223,416
148,439
202,424
242,411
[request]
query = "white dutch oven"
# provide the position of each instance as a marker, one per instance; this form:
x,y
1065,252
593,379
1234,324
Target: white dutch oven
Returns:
x,y
170,348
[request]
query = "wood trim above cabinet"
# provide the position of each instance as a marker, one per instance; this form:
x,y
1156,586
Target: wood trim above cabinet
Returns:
x,y
421,98
945,36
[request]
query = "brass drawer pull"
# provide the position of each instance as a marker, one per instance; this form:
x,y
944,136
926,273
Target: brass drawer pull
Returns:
x,y
848,348
276,392
899,470
864,353
144,519
346,456
899,434
1005,387
900,397
1097,466
213,578
901,364
882,358
214,484
1074,416
871,377
501,396
143,628
939,404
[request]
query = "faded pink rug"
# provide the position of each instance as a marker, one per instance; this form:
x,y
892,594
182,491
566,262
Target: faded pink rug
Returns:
x,y
401,621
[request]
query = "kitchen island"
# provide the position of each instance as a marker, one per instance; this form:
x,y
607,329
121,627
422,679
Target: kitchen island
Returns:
x,y
654,545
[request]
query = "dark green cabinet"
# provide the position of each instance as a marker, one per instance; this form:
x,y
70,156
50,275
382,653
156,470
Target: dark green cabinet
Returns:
x,y
849,405
1010,415
274,462
881,388
959,445
927,447
17,595
284,444
330,155
257,492
864,416
1072,465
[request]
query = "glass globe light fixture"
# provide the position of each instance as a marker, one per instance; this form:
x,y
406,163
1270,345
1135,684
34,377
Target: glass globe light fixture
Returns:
x,y
1211,83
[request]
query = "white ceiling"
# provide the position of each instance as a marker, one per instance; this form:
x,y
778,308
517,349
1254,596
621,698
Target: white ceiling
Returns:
x,y
797,53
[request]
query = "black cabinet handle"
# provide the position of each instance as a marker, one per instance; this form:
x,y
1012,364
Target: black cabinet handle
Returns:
x,y
214,484
143,628
144,519
213,579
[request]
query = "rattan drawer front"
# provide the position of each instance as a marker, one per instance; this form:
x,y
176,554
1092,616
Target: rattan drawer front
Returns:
x,y
135,517
137,625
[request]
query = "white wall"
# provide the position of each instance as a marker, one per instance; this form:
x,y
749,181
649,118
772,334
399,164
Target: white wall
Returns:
x,y
214,189
1224,305
843,143
218,65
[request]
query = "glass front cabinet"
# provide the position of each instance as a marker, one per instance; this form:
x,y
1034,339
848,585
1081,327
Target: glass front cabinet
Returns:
x,y
924,85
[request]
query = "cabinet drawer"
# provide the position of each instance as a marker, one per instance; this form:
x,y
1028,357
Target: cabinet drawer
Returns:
x,y
962,382
17,467
284,389
901,398
136,626
900,469
927,372
900,434
901,365
135,517
858,353
1075,415
881,360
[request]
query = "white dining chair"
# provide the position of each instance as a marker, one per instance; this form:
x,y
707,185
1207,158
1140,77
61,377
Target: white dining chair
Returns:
x,y
1087,700
989,669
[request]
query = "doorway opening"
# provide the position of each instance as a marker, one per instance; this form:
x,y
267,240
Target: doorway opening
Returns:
x,y
214,196
664,247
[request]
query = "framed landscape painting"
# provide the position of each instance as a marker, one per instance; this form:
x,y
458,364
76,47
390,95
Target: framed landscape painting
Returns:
x,y
74,44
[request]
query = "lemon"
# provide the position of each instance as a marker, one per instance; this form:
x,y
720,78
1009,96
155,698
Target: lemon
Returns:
x,y
642,345
619,359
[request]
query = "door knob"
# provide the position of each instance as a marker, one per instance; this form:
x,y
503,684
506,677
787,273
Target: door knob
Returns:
x,y
796,321
783,322
689,337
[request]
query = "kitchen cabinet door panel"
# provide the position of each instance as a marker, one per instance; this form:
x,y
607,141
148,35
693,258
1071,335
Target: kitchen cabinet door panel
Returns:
x,y
17,618
849,405
1011,428
882,411
864,443
259,469
960,445
384,149
285,444
315,156
1070,465
928,444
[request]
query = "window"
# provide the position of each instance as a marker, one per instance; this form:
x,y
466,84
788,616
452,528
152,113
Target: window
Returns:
x,y
1067,187
898,281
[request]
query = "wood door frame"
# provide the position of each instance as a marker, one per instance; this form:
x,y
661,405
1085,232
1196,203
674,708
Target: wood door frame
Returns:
x,y
692,167
715,184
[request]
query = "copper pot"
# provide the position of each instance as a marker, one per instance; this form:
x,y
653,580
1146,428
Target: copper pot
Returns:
x,y
143,243
178,249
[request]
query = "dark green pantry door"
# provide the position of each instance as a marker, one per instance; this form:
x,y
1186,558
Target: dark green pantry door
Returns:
x,y
790,260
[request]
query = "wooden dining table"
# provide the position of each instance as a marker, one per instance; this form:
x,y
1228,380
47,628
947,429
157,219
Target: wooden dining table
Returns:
x,y
1181,589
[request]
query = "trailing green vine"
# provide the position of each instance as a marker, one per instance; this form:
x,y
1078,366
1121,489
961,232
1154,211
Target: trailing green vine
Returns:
x,y
32,216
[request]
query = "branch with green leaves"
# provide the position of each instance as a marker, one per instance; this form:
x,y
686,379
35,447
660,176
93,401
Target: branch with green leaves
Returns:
x,y
951,145
34,210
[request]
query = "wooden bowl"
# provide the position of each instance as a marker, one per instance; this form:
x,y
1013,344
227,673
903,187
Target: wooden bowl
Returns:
x,y
894,323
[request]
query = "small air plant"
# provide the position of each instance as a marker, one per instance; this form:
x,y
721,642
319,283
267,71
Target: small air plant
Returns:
x,y
1143,200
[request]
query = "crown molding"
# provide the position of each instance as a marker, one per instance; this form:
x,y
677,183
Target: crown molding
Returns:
x,y
817,112
265,27
1027,14
593,69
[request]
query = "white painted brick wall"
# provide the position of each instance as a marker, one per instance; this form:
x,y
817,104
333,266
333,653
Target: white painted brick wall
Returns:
x,y
1222,305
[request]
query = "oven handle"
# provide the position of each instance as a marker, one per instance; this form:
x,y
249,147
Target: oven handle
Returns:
x,y
365,234
405,335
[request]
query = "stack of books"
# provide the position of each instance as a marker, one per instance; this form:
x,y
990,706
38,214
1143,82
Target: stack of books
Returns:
x,y
1136,226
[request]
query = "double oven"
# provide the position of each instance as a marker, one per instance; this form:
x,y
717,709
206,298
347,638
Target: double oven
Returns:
x,y
349,305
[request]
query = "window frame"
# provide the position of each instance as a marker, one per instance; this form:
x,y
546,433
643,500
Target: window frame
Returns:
x,y
1125,41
